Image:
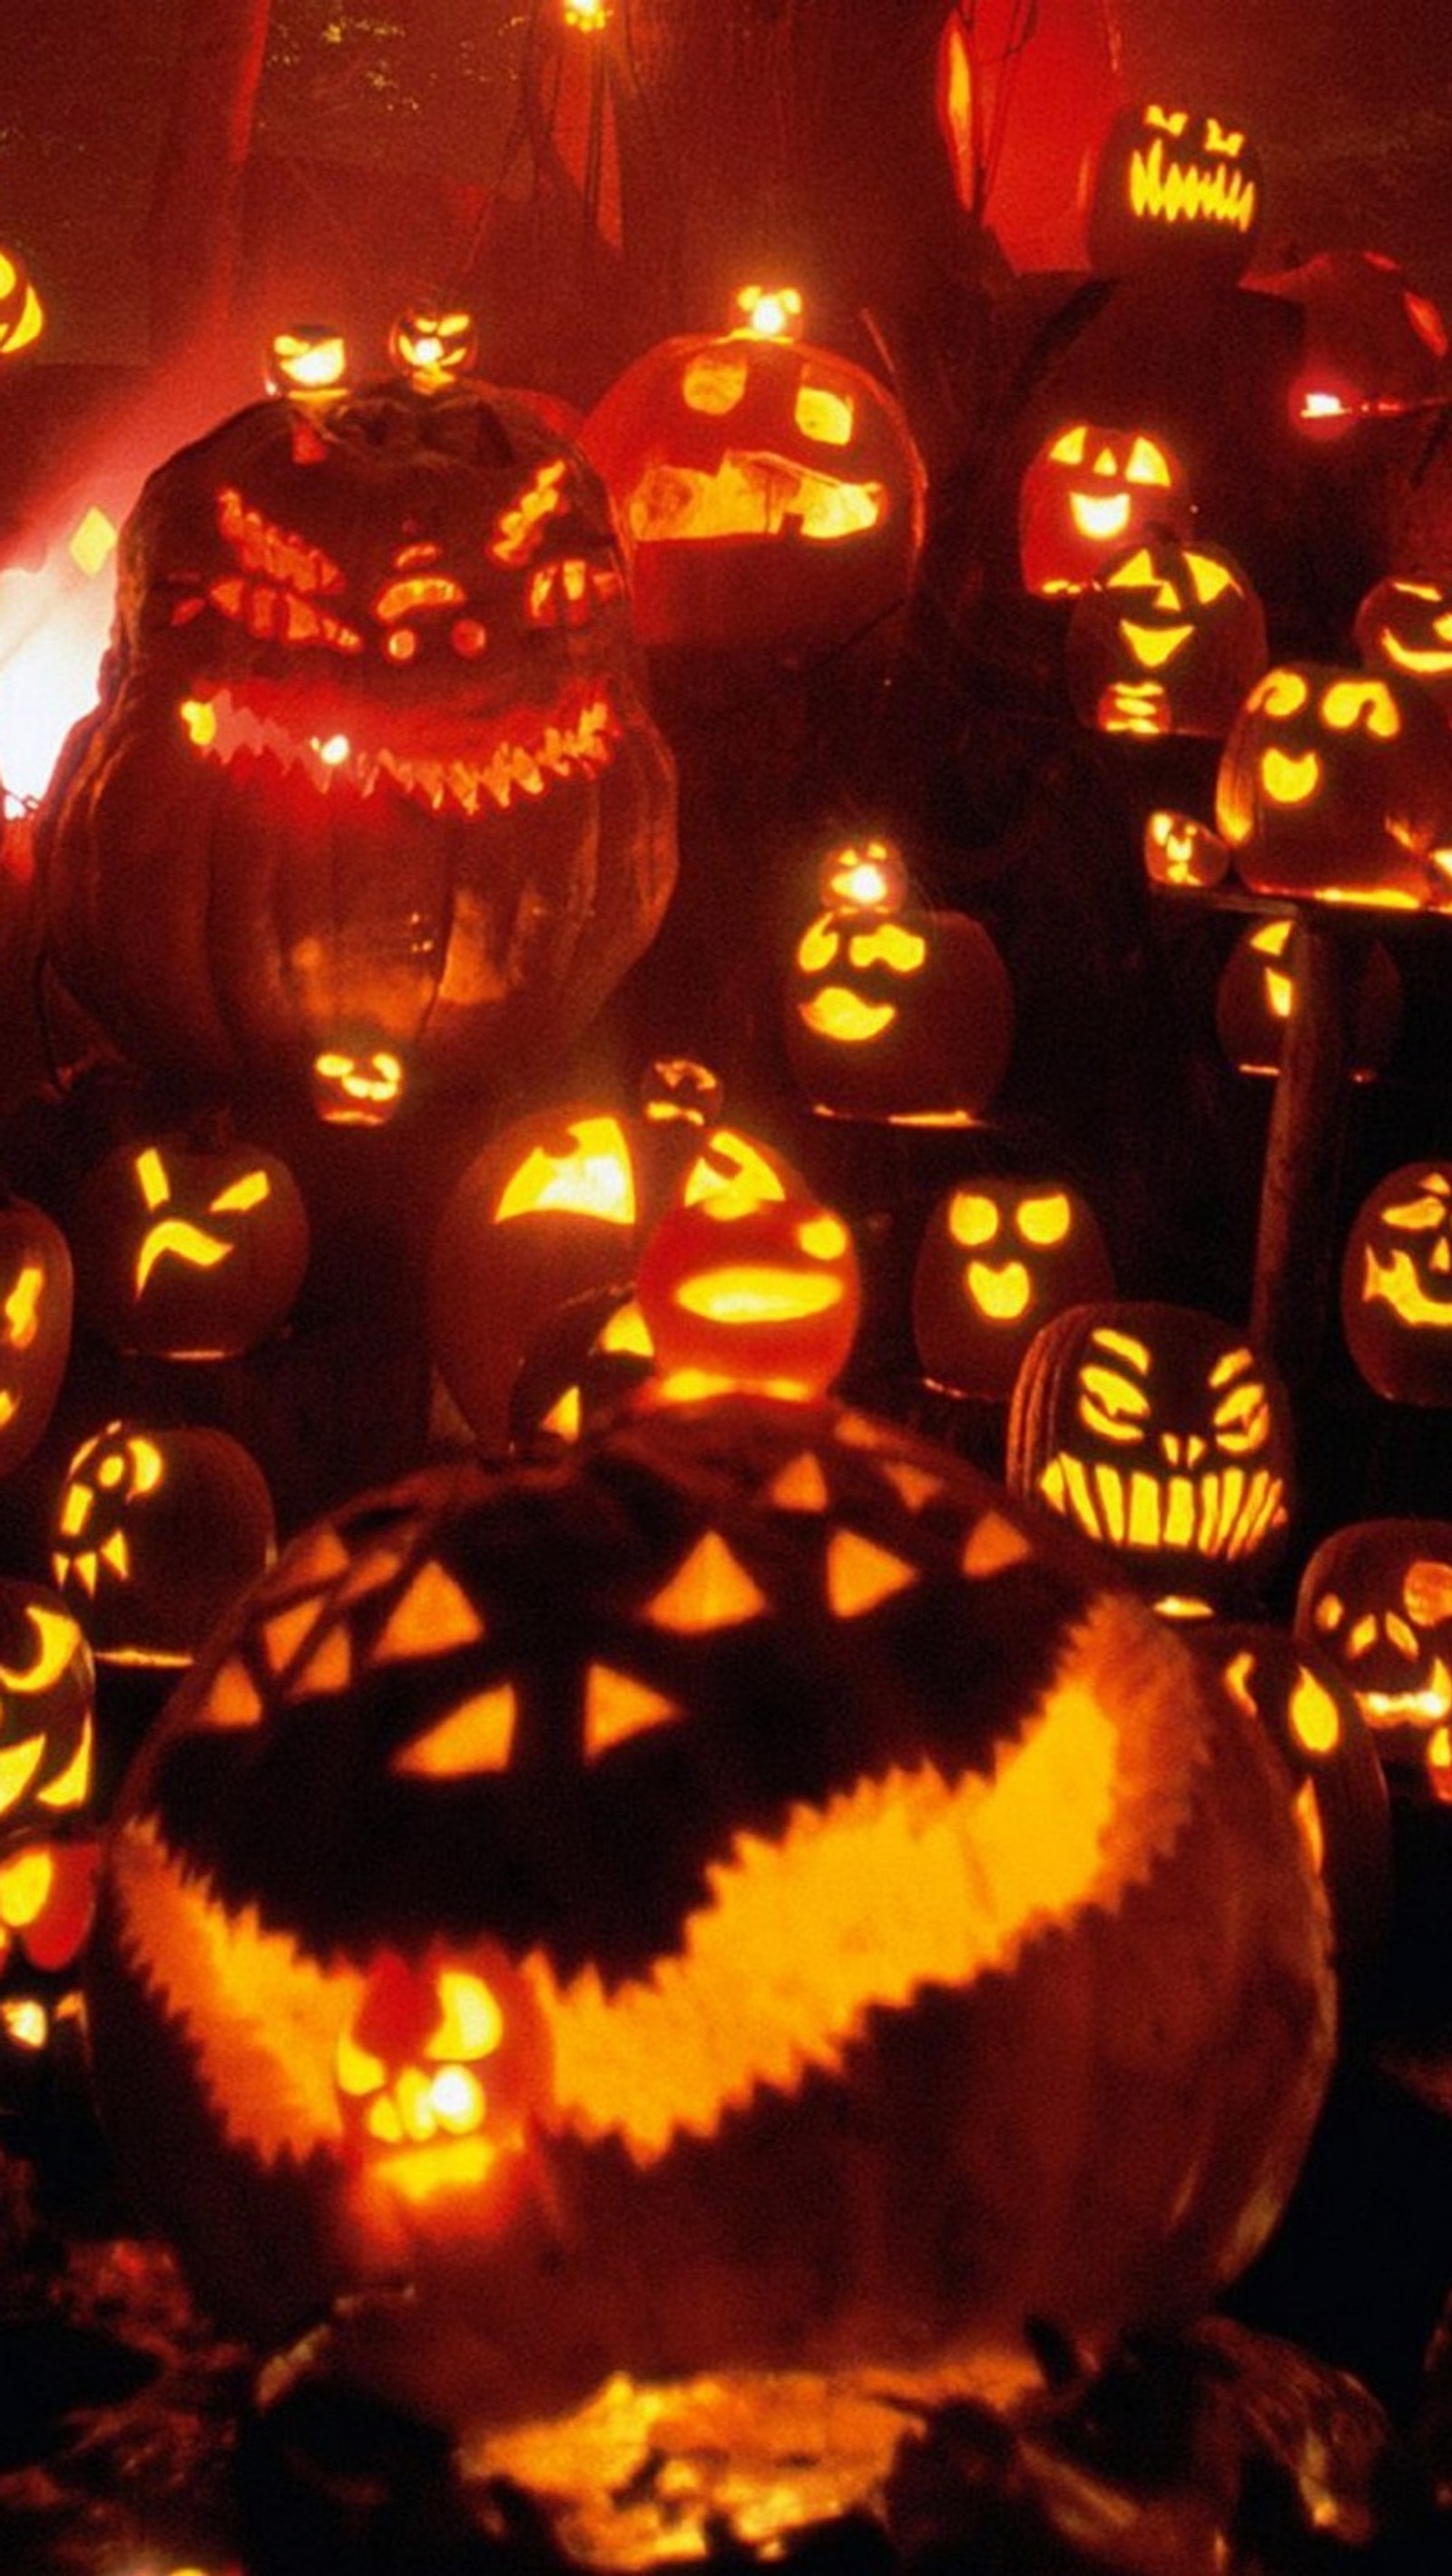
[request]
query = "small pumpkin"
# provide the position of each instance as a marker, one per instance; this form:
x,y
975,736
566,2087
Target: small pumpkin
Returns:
x,y
37,1304
746,1292
1376,1597
155,1533
189,1246
1175,192
48,1848
1405,625
998,1256
1337,783
1086,493
1167,640
1396,1285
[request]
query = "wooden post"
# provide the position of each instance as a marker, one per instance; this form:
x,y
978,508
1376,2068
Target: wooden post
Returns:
x,y
196,199
1325,961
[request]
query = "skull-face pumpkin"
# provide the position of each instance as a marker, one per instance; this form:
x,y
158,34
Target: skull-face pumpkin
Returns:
x,y
998,1257
1160,1432
371,780
155,1533
1405,626
1337,783
1087,493
189,1249
1174,192
1376,1596
832,1866
1396,1285
1167,641
770,490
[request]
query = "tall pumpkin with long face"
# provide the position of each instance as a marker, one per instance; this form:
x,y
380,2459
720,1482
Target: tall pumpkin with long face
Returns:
x,y
371,798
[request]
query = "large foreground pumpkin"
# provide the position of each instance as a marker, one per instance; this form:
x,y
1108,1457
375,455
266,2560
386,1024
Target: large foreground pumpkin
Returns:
x,y
371,796
748,1897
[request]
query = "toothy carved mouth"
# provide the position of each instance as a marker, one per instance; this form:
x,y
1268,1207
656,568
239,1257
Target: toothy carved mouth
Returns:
x,y
1223,1514
1427,1707
750,496
1191,196
499,759
1397,1283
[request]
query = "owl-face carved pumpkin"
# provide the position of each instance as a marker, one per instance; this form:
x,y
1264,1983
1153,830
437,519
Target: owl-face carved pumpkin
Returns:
x,y
1167,641
1337,783
770,490
1175,192
785,1806
156,1531
998,1256
1405,625
1087,493
1376,1597
1161,1433
188,1248
1396,1285
372,781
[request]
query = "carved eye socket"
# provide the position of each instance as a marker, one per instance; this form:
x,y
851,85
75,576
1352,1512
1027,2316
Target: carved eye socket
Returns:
x,y
714,382
1280,693
1417,1216
1242,1419
1111,1404
1209,577
972,1219
1223,139
1147,463
1137,572
1044,1222
1361,704
1069,449
1167,120
475,1738
823,413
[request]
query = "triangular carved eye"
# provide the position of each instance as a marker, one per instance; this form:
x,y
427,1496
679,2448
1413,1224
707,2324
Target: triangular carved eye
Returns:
x,y
617,1707
860,1574
430,1617
475,1737
711,1589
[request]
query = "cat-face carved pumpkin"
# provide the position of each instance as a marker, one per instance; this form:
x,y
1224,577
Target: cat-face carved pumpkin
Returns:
x,y
1088,492
1175,192
1337,783
753,1774
372,776
998,1257
1161,1433
1376,1597
1168,640
1396,1285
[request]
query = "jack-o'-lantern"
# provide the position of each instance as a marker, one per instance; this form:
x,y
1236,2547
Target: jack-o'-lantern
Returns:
x,y
891,1010
1162,1433
371,787
630,1915
22,315
770,490
434,345
555,1210
1396,1285
740,1291
1337,783
48,1847
1256,994
1174,192
1167,640
1404,625
1180,851
999,1255
155,1533
1376,1596
308,362
1294,1690
1086,494
189,1247
37,1299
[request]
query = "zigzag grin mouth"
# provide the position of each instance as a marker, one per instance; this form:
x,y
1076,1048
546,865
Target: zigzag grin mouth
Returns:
x,y
1225,1513
1189,194
498,760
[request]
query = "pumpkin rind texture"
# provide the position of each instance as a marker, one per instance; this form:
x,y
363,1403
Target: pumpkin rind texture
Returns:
x,y
742,1896
372,775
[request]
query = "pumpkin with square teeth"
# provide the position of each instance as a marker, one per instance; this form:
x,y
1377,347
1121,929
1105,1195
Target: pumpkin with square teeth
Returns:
x,y
1167,640
1164,1435
742,1897
1336,782
1089,491
371,800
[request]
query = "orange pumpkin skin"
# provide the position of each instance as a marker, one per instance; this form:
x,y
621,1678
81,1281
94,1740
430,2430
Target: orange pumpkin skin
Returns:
x,y
1337,783
187,1248
579,1737
372,779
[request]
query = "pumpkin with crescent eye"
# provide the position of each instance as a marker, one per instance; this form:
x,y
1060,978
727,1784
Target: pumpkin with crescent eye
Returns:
x,y
742,1898
1088,492
371,805
1256,994
1174,192
1337,783
1405,625
1396,1285
1167,641
37,1303
189,1246
999,1255
48,1847
1164,1435
1376,1597
22,315
155,1532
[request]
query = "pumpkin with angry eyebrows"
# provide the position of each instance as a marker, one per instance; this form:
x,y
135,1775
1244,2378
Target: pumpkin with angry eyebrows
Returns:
x,y
371,802
743,1897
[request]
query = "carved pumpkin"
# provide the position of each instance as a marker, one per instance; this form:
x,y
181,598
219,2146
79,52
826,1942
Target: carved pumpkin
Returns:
x,y
867,1928
999,1255
1174,192
1376,1597
1396,1285
1160,1432
155,1534
1179,851
757,1293
22,315
434,345
189,1247
1088,492
1256,993
48,1852
1405,626
1338,783
37,1298
371,780
894,1011
308,362
1167,641
770,490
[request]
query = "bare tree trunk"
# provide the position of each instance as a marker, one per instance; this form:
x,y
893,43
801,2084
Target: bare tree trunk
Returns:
x,y
195,216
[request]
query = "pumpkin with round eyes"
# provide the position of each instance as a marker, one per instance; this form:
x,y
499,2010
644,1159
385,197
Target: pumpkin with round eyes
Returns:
x,y
1174,192
1088,492
48,1848
999,1255
1337,783
155,1533
1376,1597
371,799
645,1907
189,1246
1167,640
770,490
22,315
1405,626
37,1304
1396,1285
1161,1433
1256,991
892,1010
